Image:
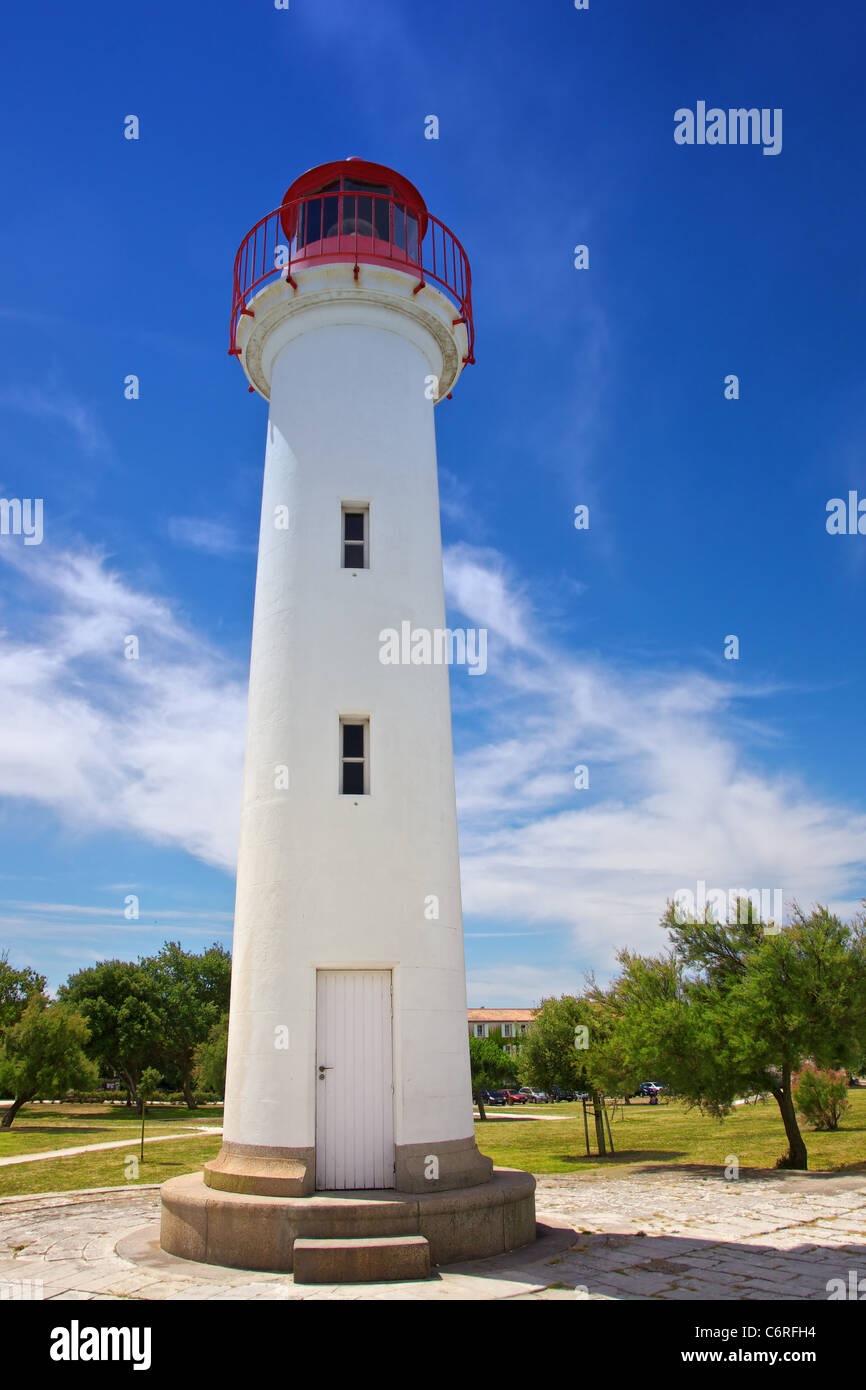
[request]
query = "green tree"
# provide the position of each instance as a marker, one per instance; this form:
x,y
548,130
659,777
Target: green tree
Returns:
x,y
121,1003
209,1064
16,988
193,992
733,1009
489,1065
569,1046
148,1085
43,1051
610,1069
549,1056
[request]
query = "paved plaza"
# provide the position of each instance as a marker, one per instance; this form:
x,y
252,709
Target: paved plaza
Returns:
x,y
640,1233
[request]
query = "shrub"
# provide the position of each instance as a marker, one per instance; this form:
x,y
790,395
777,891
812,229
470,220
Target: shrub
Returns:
x,y
206,1097
50,1097
821,1096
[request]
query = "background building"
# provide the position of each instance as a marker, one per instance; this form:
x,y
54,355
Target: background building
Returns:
x,y
512,1023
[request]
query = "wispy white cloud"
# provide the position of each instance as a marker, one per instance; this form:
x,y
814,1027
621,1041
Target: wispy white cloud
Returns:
x,y
519,985
475,583
674,796
151,746
32,926
154,748
210,536
51,403
73,909
454,497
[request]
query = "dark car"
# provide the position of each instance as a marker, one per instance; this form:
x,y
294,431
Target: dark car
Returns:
x,y
494,1097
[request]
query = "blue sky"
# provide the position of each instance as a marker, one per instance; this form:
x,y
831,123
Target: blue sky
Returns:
x,y
603,387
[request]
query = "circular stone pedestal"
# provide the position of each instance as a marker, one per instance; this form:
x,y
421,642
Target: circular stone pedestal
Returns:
x,y
245,1232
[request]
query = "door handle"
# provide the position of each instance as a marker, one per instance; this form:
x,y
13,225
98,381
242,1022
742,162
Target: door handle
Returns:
x,y
322,1071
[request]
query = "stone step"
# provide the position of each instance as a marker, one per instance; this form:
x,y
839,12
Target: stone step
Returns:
x,y
367,1260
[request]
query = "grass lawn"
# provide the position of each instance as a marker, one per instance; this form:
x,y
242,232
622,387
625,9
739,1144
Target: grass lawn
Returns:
x,y
38,1128
655,1135
670,1134
108,1168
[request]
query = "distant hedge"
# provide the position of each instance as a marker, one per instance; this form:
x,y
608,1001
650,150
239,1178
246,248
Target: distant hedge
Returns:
x,y
122,1097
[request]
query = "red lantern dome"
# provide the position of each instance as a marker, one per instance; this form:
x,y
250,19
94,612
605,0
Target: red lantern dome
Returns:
x,y
354,211
357,179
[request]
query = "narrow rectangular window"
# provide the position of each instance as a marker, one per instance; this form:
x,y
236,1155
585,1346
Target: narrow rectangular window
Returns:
x,y
354,757
506,1030
356,537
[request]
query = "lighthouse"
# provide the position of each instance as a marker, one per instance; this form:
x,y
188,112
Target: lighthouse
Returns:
x,y
348,1111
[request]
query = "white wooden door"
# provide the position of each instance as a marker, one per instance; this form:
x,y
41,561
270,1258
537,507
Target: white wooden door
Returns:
x,y
354,1087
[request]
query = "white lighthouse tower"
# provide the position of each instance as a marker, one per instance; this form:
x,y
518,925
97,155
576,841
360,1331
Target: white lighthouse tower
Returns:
x,y
348,1104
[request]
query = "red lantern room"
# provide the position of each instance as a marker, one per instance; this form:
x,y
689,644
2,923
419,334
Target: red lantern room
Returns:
x,y
328,206
356,212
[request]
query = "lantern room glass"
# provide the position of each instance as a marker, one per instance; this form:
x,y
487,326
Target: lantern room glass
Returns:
x,y
352,208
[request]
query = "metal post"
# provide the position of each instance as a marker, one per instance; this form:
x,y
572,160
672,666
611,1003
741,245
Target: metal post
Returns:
x,y
607,1118
599,1125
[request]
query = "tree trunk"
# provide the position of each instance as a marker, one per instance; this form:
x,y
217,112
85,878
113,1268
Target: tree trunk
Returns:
x,y
131,1090
797,1156
599,1124
9,1115
480,1103
187,1093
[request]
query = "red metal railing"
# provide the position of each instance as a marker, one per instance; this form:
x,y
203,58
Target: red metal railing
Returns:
x,y
357,228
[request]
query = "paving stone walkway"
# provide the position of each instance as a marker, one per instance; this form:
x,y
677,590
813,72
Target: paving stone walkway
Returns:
x,y
494,1115
636,1234
661,1233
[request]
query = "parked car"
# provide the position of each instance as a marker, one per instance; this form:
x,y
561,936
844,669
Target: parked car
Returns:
x,y
557,1093
494,1097
534,1097
650,1090
515,1098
